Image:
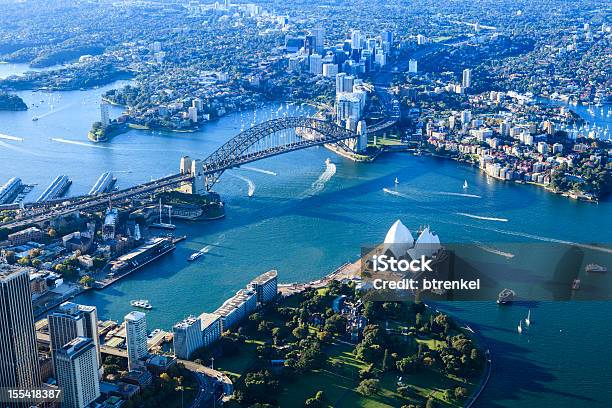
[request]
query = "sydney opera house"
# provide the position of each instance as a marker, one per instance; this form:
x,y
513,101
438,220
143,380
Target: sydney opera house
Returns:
x,y
400,243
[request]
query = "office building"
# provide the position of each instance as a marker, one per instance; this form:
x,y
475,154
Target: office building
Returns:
x,y
412,66
347,83
265,286
77,372
192,114
70,321
18,354
211,328
136,338
315,64
330,70
356,40
387,36
362,141
187,337
467,79
319,34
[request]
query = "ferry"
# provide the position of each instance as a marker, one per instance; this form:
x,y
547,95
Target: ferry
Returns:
x,y
197,254
35,118
595,268
505,296
142,303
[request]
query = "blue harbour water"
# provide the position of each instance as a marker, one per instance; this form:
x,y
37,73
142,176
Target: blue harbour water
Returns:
x,y
307,217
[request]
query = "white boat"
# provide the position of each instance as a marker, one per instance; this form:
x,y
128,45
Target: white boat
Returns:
x,y
396,181
198,254
520,327
465,184
142,303
528,319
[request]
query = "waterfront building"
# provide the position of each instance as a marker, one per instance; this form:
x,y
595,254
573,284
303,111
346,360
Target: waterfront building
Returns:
x,y
136,338
56,189
18,354
104,118
398,239
265,286
76,372
10,189
315,64
70,321
237,308
362,142
192,114
412,66
421,39
187,337
467,79
211,328
103,184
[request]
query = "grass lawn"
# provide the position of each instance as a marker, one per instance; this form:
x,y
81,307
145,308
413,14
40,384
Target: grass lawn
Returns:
x,y
235,366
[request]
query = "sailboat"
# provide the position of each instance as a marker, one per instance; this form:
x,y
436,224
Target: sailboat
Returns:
x,y
520,327
465,184
396,181
528,319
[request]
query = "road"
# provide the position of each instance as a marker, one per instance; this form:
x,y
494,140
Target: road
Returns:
x,y
218,376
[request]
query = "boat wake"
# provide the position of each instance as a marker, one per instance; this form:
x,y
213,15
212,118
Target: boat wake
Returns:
x,y
77,143
396,193
54,111
494,251
250,184
319,185
9,137
21,150
479,217
457,194
258,170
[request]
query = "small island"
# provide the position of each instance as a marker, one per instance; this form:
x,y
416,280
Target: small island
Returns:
x,y
10,102
100,133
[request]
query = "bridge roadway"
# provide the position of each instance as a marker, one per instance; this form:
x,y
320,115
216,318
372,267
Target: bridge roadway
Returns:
x,y
39,215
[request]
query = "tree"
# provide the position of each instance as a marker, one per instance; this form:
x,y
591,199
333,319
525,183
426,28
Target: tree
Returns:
x,y
87,281
316,401
460,392
368,387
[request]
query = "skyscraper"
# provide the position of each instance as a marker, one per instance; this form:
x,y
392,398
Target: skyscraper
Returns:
x,y
18,355
356,40
70,321
187,337
467,78
319,36
136,340
340,82
77,372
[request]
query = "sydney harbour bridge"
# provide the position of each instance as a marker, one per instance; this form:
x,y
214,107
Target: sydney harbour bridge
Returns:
x,y
267,139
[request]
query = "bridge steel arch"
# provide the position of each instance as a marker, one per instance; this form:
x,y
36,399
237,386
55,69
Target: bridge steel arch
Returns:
x,y
263,140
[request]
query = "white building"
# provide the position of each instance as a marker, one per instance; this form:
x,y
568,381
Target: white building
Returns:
x,y
413,66
136,338
330,70
192,114
77,373
316,65
356,40
467,79
421,39
104,118
211,328
362,141
187,337
237,308
265,286
398,239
